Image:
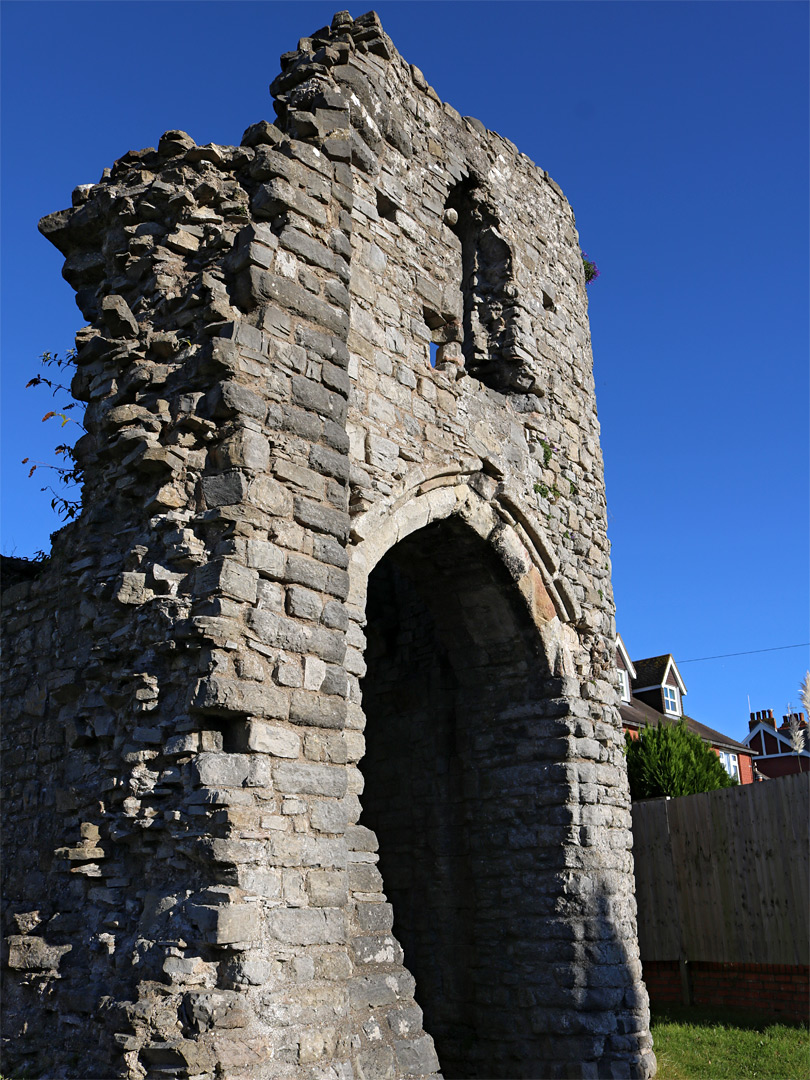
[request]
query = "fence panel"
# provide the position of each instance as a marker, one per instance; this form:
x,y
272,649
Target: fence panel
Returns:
x,y
723,877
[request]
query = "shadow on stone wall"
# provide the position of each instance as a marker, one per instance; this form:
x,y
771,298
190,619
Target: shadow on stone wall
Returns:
x,y
512,946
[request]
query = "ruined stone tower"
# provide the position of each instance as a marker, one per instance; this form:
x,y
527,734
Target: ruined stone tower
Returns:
x,y
312,748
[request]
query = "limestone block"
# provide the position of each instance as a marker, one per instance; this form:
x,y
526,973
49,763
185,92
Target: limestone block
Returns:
x,y
405,1022
325,746
216,1009
303,603
374,918
316,1044
328,816
317,709
314,673
132,589
231,770
260,881
246,449
377,1064
226,489
376,949
364,878
381,453
307,926
321,518
359,838
34,954
119,319
229,577
374,990
274,739
327,888
307,779
302,570
417,1056
234,697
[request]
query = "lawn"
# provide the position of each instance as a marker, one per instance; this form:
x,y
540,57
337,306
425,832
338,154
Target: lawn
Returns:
x,y
727,1044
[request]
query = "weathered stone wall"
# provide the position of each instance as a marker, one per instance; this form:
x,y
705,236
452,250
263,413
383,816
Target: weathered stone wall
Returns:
x,y
276,473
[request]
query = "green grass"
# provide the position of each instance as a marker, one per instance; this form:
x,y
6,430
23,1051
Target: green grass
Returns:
x,y
728,1044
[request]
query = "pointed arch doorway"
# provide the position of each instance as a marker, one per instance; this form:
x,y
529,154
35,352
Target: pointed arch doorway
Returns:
x,y
453,788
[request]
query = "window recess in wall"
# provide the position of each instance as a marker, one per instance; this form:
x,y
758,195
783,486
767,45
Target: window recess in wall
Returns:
x,y
444,349
490,337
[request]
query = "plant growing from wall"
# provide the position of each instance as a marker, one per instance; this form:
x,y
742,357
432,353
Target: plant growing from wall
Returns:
x,y
592,271
69,471
669,759
545,492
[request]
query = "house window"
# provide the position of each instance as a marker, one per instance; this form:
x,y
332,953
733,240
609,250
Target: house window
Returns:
x,y
624,679
730,764
672,704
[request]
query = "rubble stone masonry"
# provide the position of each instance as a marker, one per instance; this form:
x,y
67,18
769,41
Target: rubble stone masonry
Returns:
x,y
312,754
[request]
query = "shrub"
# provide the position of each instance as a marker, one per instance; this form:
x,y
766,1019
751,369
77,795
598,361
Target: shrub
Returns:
x,y
669,759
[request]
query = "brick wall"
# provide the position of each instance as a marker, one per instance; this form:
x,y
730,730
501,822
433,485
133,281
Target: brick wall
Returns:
x,y
782,989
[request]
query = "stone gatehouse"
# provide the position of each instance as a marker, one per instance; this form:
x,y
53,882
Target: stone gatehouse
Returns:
x,y
311,744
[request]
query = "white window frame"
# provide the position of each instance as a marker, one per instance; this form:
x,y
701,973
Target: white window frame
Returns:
x,y
624,678
731,764
671,707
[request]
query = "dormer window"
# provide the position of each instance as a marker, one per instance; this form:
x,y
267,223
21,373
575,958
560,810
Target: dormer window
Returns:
x,y
672,701
624,679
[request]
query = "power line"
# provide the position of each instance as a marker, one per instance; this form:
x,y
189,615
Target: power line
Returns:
x,y
750,652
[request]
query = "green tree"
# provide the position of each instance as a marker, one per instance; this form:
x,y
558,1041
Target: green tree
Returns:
x,y
669,759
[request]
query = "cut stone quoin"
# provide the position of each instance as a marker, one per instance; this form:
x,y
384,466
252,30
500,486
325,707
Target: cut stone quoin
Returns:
x,y
313,759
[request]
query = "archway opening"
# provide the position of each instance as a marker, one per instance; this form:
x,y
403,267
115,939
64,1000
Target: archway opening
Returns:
x,y
454,676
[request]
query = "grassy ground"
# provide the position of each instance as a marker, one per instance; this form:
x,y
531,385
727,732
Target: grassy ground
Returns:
x,y
727,1044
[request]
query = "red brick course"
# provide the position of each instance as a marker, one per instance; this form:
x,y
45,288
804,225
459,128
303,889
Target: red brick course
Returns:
x,y
782,989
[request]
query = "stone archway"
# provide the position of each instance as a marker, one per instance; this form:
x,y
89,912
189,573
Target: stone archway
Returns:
x,y
456,670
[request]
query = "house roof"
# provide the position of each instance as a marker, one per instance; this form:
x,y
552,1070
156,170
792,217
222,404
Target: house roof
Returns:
x,y
782,737
653,671
636,714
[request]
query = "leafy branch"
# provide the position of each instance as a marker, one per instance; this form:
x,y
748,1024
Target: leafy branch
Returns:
x,y
69,472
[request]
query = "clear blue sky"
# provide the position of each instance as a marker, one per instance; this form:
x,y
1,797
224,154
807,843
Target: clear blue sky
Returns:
x,y
678,131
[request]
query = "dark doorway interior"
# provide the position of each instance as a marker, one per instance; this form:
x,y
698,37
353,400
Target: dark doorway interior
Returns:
x,y
454,677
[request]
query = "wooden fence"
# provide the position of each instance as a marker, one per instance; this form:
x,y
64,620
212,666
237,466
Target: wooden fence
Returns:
x,y
723,877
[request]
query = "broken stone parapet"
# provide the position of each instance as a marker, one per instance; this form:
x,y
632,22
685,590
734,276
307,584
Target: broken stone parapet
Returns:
x,y
311,738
